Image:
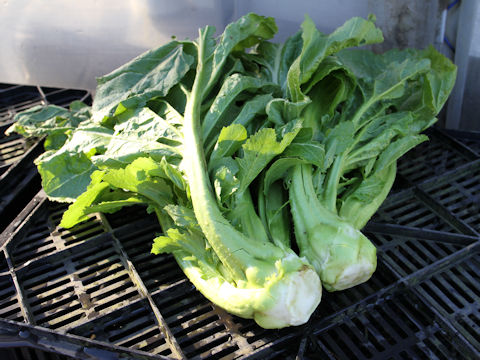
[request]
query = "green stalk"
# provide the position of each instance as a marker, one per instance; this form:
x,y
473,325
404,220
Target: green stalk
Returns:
x,y
331,188
209,217
271,285
244,214
234,249
342,256
274,214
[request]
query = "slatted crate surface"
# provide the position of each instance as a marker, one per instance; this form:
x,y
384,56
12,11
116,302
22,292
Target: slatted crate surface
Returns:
x,y
96,290
433,157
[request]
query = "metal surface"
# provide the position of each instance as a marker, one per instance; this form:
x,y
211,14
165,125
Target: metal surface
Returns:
x,y
95,291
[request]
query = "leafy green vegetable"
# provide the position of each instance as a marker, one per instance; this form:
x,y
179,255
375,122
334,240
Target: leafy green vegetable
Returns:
x,y
232,141
366,110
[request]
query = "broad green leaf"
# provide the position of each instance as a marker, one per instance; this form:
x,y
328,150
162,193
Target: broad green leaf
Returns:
x,y
276,59
65,175
275,213
361,203
225,179
382,77
98,197
317,46
252,108
326,96
144,135
398,121
139,177
379,134
149,75
175,240
173,174
244,33
328,66
427,98
439,80
340,138
182,216
190,248
281,111
76,212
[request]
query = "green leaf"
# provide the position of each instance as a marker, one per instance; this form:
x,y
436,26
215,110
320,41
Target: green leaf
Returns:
x,y
65,175
224,110
317,46
76,212
258,151
397,149
252,108
98,197
340,138
145,134
244,33
229,141
439,80
149,75
275,214
175,240
330,65
225,180
165,245
378,134
281,111
382,77
141,177
312,152
171,173
326,96
276,59
183,217
52,120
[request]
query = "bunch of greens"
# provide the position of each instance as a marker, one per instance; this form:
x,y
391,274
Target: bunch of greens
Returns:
x,y
241,146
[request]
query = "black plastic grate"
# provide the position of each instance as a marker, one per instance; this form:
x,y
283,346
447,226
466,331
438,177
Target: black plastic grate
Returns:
x,y
469,139
399,328
133,326
43,236
156,272
9,306
406,209
432,158
460,193
96,291
64,289
405,256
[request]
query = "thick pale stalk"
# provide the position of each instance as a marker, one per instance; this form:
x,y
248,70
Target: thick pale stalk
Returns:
x,y
341,254
273,286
